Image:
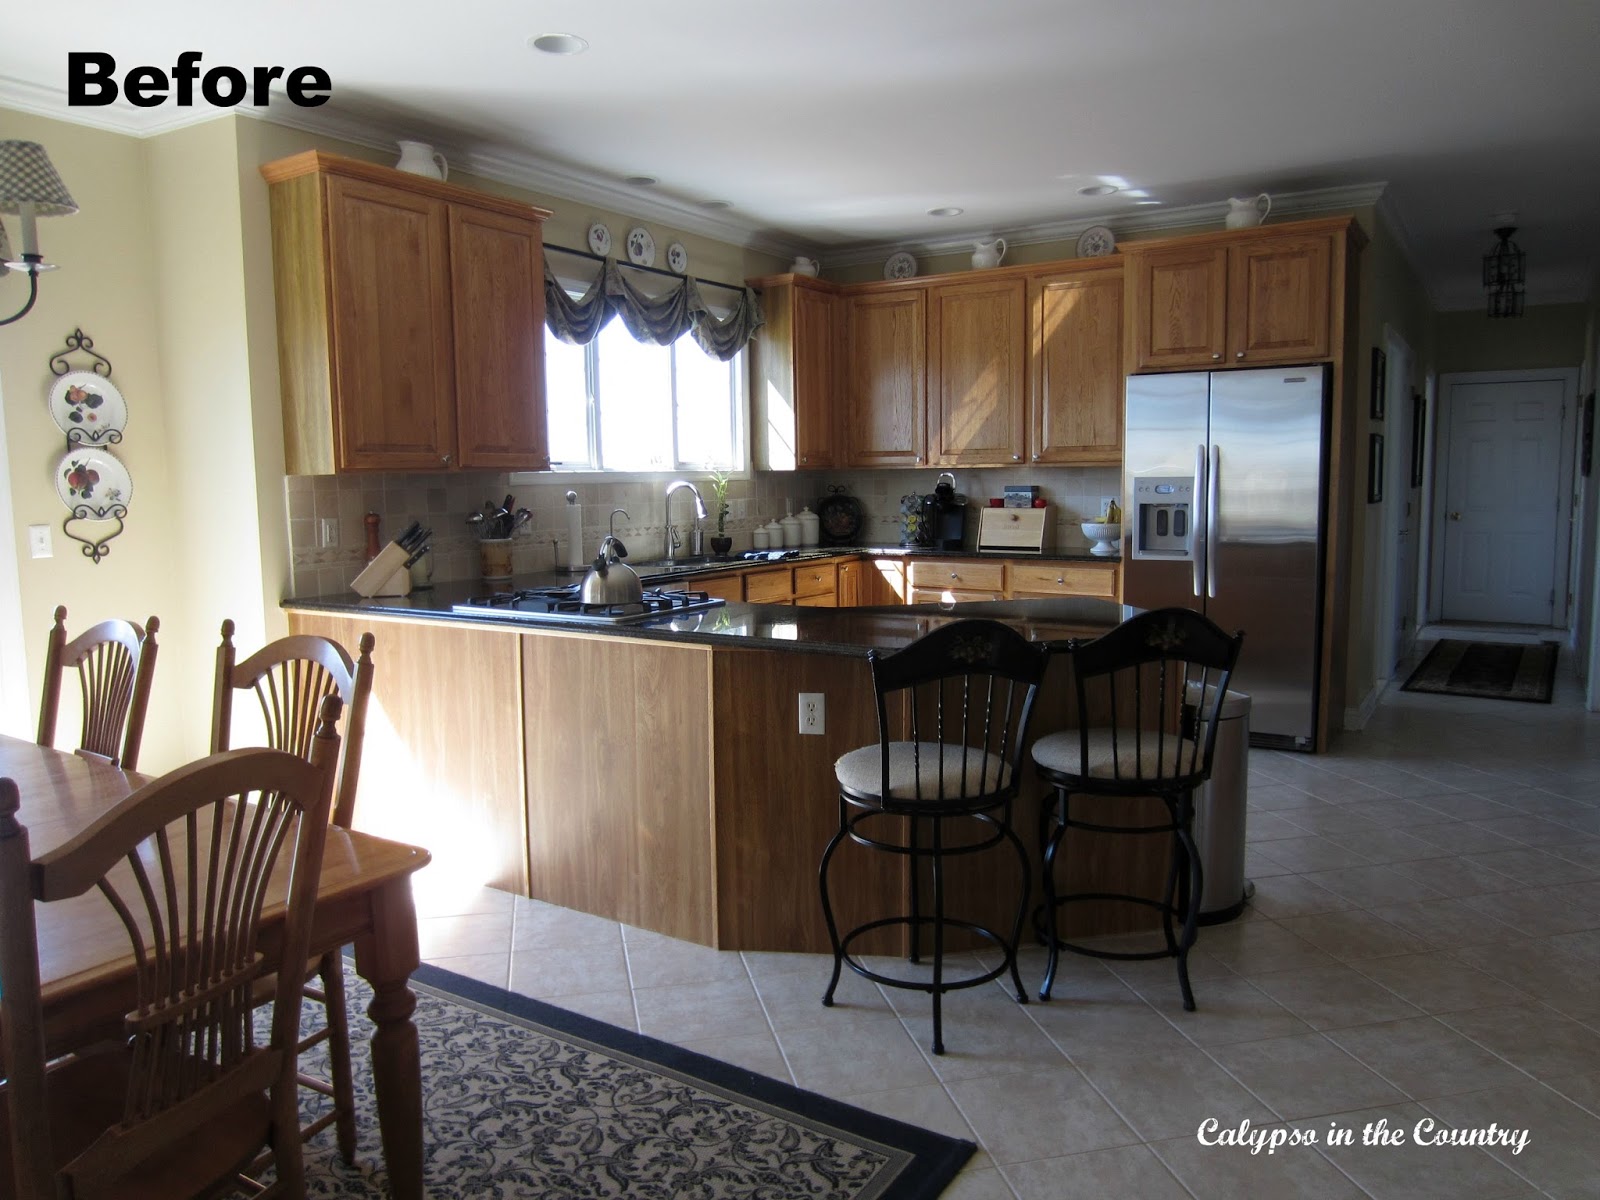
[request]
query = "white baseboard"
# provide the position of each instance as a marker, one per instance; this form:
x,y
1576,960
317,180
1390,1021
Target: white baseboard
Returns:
x,y
1356,718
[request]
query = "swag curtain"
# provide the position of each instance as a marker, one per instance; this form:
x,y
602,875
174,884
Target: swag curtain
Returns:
x,y
660,320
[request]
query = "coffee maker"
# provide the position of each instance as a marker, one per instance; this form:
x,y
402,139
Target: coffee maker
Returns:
x,y
944,515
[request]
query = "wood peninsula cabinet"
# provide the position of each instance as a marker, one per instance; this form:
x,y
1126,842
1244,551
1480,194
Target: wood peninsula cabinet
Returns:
x,y
795,372
1242,298
886,378
410,321
977,371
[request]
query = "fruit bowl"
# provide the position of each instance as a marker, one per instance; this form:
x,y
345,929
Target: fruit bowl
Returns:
x,y
1103,534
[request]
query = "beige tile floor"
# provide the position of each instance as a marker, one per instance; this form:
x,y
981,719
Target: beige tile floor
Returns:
x,y
1424,943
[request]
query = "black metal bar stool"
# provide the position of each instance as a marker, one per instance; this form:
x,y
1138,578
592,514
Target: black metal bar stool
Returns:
x,y
964,694
1148,695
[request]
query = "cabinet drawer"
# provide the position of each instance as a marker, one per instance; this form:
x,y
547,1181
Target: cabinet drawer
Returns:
x,y
820,600
726,587
957,574
769,587
816,581
1064,579
937,595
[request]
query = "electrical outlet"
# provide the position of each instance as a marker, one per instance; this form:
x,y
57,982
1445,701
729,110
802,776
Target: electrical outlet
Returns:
x,y
813,712
39,541
1106,502
329,534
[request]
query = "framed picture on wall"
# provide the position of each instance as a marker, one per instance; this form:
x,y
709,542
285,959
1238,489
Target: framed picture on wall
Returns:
x,y
1375,468
1419,422
1586,441
1380,375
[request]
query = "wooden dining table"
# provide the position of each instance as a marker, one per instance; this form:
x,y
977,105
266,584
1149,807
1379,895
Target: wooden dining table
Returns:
x,y
364,897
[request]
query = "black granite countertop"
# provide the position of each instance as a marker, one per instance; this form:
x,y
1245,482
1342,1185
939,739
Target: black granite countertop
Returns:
x,y
847,631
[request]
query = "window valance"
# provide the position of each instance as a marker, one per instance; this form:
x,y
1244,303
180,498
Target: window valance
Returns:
x,y
660,320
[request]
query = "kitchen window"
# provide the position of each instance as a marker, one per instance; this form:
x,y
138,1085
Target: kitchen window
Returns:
x,y
622,405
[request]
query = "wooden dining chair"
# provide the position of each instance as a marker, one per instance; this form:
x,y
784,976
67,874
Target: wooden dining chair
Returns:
x,y
289,678
187,1099
115,661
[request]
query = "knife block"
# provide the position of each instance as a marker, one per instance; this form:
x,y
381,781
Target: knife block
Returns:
x,y
385,575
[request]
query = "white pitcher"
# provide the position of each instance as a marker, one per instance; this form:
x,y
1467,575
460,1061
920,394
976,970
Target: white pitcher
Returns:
x,y
419,158
805,266
988,254
1242,214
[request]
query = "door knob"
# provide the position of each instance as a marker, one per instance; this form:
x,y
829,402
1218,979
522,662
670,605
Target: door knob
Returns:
x,y
1455,516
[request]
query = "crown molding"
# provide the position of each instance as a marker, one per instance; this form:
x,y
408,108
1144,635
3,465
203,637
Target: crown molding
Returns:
x,y
120,117
1316,200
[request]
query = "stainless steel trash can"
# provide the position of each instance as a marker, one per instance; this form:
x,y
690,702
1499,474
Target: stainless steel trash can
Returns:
x,y
1219,812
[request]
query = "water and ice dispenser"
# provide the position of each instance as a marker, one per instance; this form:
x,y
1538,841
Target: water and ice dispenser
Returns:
x,y
1163,507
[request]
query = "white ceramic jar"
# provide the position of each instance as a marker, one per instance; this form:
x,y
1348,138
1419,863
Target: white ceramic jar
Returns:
x,y
791,530
810,526
759,539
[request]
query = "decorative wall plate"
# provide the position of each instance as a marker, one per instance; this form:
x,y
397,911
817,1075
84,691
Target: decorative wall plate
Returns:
x,y
88,408
678,258
599,239
1096,242
641,247
93,483
901,265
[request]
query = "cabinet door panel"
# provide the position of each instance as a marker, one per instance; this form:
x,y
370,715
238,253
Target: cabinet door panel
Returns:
x,y
497,288
977,364
1077,386
393,366
1278,300
886,382
1179,308
815,330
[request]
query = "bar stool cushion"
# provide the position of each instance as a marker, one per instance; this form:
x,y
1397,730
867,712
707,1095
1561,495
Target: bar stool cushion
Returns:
x,y
861,771
1150,758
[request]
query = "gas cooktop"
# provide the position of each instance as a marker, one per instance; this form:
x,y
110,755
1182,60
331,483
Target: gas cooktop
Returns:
x,y
565,604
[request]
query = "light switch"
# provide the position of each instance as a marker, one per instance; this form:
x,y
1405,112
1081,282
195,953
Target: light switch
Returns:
x,y
39,541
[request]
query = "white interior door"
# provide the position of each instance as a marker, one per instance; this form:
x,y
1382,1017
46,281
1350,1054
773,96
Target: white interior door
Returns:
x,y
1502,501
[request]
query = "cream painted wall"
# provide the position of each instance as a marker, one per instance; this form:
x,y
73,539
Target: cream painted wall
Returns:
x,y
1546,335
106,286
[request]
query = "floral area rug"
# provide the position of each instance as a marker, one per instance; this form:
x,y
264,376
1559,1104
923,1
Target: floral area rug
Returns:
x,y
522,1099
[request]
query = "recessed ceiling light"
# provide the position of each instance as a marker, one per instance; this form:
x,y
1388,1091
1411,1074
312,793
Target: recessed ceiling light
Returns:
x,y
640,180
716,204
946,212
559,43
1098,189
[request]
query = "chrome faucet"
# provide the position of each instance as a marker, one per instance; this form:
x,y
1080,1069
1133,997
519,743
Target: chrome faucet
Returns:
x,y
697,535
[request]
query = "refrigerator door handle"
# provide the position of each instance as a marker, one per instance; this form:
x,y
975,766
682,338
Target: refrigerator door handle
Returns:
x,y
1213,543
1196,539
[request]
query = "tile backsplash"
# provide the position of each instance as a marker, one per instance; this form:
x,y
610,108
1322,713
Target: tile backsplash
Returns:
x,y
444,501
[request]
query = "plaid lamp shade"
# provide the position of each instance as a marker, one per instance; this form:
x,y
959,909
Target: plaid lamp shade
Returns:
x,y
26,174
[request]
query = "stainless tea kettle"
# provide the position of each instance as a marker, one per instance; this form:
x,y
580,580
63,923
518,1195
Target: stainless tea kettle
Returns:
x,y
610,580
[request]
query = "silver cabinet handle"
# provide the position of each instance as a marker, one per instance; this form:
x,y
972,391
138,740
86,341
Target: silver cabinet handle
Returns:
x,y
1214,357
444,459
953,575
1240,354
1016,458
1061,579
1196,541
1213,542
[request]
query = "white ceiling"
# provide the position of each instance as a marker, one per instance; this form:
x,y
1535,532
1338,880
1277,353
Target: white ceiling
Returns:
x,y
834,125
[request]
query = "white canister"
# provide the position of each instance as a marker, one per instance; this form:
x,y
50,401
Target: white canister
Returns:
x,y
774,534
791,530
810,526
759,539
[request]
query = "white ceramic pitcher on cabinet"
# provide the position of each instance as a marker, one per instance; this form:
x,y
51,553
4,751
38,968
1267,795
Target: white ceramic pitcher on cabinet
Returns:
x,y
1243,213
988,254
419,158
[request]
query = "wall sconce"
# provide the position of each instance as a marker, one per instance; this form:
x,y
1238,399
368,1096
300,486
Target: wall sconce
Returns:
x,y
29,188
1504,270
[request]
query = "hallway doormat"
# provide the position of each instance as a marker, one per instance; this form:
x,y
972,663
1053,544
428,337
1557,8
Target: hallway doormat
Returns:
x,y
523,1100
1489,670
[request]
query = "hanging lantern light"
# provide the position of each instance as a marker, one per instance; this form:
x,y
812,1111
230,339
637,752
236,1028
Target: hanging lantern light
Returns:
x,y
1504,271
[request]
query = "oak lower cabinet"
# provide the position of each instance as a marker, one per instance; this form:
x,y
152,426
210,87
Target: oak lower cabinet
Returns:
x,y
795,374
1047,581
977,372
1238,299
930,581
1076,380
410,321
814,584
725,587
885,379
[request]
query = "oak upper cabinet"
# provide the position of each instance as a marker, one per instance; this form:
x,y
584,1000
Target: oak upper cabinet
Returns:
x,y
410,321
1075,378
1239,299
1278,300
794,374
977,372
885,378
1178,306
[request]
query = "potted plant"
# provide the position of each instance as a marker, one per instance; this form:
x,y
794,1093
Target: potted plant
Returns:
x,y
721,543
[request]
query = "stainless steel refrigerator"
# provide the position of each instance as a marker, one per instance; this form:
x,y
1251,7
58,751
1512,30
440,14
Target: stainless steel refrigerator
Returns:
x,y
1225,489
